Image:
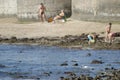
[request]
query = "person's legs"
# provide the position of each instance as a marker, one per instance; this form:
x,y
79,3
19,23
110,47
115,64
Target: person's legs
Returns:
x,y
106,37
110,37
41,17
89,42
56,17
113,36
44,17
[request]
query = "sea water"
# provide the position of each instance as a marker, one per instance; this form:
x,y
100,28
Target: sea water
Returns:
x,y
44,63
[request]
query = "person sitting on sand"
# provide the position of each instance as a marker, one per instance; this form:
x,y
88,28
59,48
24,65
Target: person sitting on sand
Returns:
x,y
107,31
61,15
92,38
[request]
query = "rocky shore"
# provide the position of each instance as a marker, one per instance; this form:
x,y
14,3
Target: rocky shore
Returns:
x,y
72,42
107,74
68,41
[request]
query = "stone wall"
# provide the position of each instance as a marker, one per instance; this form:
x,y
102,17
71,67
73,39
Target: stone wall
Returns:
x,y
93,10
96,10
109,8
8,8
28,9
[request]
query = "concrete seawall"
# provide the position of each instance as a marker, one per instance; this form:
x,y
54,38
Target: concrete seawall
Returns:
x,y
8,8
90,10
28,9
96,10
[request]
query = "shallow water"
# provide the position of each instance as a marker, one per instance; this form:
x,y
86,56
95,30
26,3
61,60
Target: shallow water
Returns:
x,y
44,63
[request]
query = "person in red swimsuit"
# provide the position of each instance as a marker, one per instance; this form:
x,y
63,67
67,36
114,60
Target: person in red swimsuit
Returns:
x,y
41,11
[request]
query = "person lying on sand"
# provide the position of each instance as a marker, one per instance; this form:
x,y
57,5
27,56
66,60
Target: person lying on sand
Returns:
x,y
61,15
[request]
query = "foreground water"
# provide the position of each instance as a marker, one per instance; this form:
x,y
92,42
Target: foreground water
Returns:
x,y
25,62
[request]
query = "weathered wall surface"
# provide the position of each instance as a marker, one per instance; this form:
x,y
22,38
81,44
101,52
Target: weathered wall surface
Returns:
x,y
101,10
28,9
8,7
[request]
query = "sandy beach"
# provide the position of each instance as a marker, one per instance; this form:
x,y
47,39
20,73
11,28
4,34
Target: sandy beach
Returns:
x,y
10,27
70,34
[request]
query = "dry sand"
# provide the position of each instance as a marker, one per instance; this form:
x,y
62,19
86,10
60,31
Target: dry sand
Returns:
x,y
10,27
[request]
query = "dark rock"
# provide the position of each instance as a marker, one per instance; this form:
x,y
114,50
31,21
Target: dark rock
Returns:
x,y
21,51
19,61
47,73
117,62
82,77
89,78
13,39
5,39
66,79
61,78
70,73
2,66
96,62
64,64
76,64
108,74
97,78
38,78
108,64
89,54
1,39
107,68
24,39
100,57
73,61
